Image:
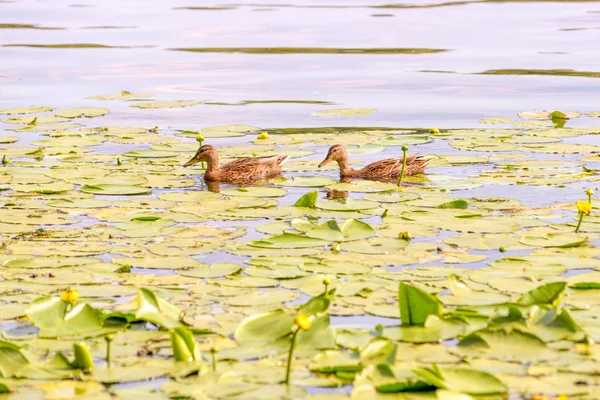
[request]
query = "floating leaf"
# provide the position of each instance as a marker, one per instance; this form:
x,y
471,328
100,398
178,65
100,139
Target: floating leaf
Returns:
x,y
551,293
307,200
460,204
264,327
25,110
462,380
288,241
351,229
88,112
108,189
347,205
156,310
54,318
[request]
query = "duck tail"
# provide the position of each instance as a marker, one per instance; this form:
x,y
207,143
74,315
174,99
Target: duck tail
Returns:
x,y
425,160
282,160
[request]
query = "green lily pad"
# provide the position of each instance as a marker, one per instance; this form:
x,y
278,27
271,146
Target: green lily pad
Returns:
x,y
304,181
562,240
88,112
289,241
255,191
347,205
25,110
351,229
115,190
149,154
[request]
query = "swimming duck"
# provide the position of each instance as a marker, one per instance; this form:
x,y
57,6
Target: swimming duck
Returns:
x,y
242,170
378,170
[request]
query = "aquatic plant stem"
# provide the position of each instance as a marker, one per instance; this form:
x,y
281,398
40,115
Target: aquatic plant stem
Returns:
x,y
108,339
200,140
579,223
213,352
290,356
401,178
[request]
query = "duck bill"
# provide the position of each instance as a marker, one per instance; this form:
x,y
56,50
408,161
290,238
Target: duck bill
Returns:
x,y
193,161
325,162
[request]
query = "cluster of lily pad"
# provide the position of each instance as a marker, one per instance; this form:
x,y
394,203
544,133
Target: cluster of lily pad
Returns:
x,y
197,294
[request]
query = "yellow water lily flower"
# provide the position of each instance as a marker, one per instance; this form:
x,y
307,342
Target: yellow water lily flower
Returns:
x,y
70,295
263,135
589,192
327,281
303,322
199,138
584,207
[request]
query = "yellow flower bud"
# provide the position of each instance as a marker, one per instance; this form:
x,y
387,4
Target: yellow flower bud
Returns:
x,y
263,135
303,322
582,348
434,130
199,138
70,295
584,207
589,192
562,397
336,248
327,281
404,236
404,148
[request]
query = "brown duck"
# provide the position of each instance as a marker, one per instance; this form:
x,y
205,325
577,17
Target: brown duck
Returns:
x,y
379,170
243,170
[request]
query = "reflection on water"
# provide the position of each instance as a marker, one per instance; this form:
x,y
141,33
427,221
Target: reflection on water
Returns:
x,y
298,46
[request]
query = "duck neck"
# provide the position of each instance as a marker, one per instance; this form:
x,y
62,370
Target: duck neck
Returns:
x,y
212,164
345,168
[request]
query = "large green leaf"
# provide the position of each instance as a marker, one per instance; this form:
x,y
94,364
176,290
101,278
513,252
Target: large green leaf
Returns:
x,y
54,318
551,293
316,305
460,204
264,327
319,337
308,200
416,305
351,229
379,350
156,310
109,189
289,241
11,359
385,379
459,379
184,345
511,345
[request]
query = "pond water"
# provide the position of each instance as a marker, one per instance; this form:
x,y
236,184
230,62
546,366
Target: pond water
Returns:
x,y
486,74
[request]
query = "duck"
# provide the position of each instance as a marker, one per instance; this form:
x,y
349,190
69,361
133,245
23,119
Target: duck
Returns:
x,y
390,168
242,170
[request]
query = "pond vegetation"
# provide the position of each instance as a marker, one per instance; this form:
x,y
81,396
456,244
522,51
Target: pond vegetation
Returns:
x,y
124,275
190,298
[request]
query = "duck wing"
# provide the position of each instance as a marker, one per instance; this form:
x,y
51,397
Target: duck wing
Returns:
x,y
388,167
250,163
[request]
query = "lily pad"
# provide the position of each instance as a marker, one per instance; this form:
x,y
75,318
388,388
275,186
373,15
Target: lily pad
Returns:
x,y
87,112
115,190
